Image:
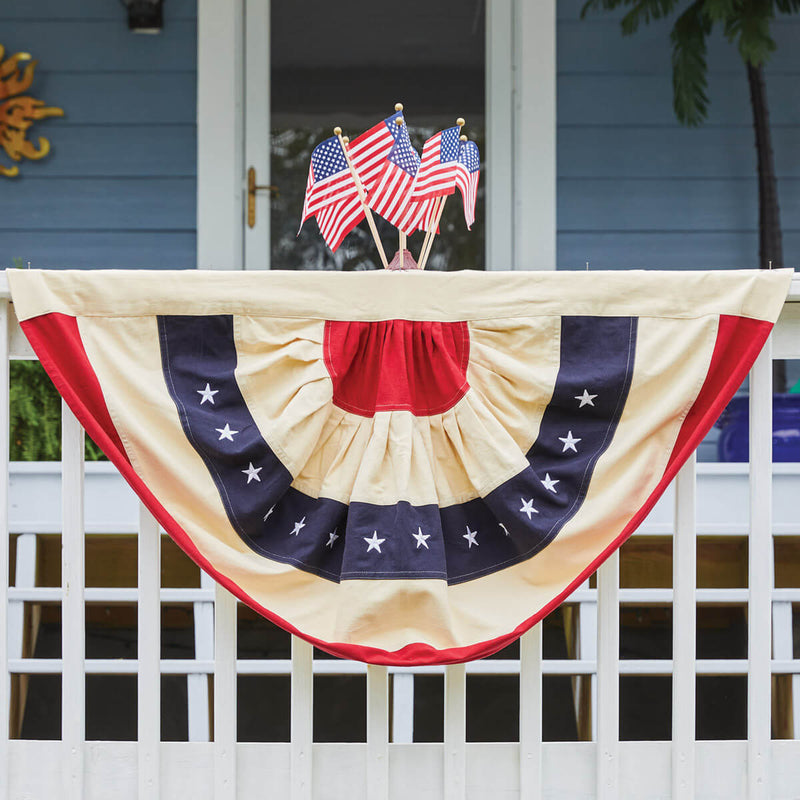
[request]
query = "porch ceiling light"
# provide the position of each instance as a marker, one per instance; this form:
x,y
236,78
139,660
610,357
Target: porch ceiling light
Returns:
x,y
145,16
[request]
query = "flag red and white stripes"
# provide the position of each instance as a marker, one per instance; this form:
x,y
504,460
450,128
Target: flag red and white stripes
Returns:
x,y
331,193
337,220
390,194
467,175
437,171
368,151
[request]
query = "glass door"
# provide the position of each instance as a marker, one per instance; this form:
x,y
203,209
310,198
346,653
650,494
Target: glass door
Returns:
x,y
347,64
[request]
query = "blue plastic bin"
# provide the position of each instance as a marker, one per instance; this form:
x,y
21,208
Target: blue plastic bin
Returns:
x,y
734,440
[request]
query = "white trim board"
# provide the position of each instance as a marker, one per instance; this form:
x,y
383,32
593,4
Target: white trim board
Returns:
x,y
220,80
520,158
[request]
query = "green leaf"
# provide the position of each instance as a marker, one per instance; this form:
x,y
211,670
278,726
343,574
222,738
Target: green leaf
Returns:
x,y
721,10
755,43
35,416
643,12
689,67
788,6
601,5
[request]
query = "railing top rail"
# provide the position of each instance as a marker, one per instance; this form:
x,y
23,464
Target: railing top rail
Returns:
x,y
793,297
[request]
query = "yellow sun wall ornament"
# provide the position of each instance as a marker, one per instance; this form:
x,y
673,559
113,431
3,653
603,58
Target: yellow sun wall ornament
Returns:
x,y
19,112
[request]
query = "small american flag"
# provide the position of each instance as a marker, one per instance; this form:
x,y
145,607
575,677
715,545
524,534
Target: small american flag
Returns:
x,y
435,177
331,193
337,205
338,219
390,194
418,216
369,151
437,172
467,174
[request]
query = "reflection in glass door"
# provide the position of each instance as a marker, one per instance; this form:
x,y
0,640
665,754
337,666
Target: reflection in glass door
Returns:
x,y
349,68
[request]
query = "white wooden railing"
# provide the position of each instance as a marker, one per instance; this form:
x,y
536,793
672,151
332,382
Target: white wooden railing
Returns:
x,y
390,763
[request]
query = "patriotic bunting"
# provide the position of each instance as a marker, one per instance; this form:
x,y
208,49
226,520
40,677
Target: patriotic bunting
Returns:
x,y
401,467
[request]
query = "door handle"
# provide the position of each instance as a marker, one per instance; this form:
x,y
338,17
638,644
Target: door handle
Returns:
x,y
252,188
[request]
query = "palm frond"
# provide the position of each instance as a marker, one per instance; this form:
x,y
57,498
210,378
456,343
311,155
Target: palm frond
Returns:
x,y
689,66
722,10
641,11
755,42
602,5
787,6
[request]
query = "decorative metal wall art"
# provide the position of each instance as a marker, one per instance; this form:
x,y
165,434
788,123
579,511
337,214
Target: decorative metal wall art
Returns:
x,y
18,111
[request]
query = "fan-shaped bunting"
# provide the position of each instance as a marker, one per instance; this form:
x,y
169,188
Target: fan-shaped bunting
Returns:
x,y
400,467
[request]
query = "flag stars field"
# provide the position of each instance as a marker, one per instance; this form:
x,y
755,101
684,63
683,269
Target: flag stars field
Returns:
x,y
586,399
527,507
470,537
207,394
422,539
226,433
373,542
252,473
569,442
550,483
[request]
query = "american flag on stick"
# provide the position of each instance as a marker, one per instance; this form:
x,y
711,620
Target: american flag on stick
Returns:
x,y
368,152
436,177
418,216
331,193
391,192
467,174
437,172
337,220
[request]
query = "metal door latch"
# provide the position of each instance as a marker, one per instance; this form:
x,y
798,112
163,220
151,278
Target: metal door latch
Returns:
x,y
252,188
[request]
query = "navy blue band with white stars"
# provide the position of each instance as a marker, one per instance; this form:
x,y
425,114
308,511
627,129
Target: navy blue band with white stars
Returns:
x,y
456,543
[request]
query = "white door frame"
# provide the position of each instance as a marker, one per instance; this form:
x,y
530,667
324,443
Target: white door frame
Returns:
x,y
521,134
520,126
220,153
257,129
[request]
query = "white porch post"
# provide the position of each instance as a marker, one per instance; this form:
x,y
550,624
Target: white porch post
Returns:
x,y
499,155
220,170
535,135
521,134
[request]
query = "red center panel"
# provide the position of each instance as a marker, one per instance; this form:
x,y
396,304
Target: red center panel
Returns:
x,y
397,365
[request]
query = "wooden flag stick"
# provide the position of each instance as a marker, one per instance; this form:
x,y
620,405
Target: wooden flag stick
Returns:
x,y
432,231
362,196
426,240
402,236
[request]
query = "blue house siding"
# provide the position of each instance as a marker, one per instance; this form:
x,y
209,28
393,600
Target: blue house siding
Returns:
x,y
119,186
636,189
